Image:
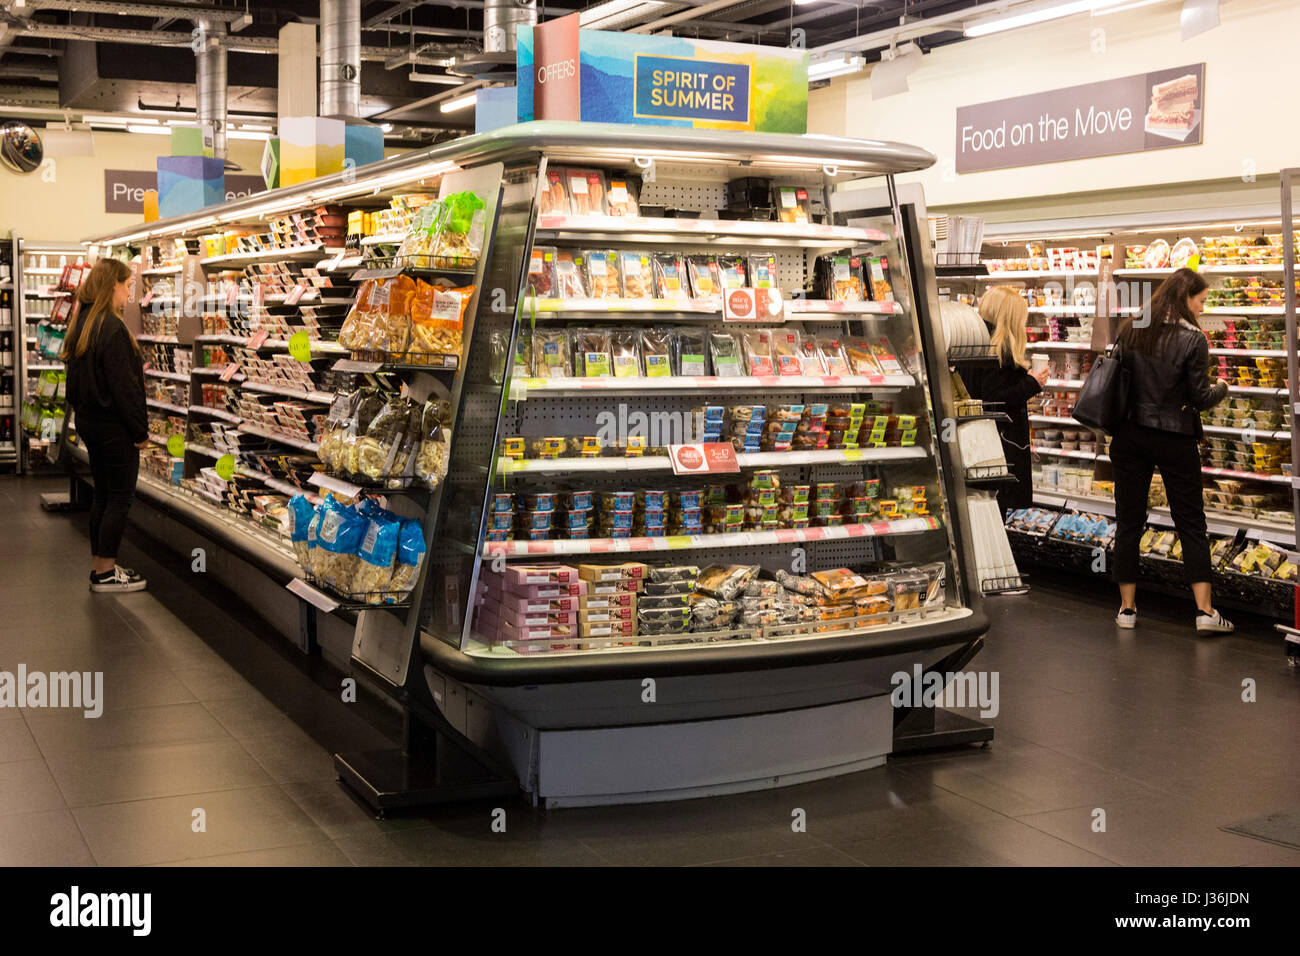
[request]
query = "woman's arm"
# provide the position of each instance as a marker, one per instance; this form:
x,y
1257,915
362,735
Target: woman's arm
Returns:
x,y
1203,395
1011,386
121,368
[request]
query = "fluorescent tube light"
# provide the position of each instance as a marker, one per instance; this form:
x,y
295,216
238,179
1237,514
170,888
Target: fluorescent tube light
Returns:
x,y
839,66
1038,14
153,130
459,102
614,8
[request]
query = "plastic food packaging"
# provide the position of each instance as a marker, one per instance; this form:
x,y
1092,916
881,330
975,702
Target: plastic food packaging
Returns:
x,y
833,356
591,353
862,360
787,352
433,456
410,555
438,320
762,271
625,350
705,277
732,270
725,582
541,272
670,281
586,188
841,584
725,351
460,234
568,275
555,199
637,274
551,354
603,274
758,352
691,352
656,352
622,197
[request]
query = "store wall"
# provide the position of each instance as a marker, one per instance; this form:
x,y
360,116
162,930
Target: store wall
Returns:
x,y
66,204
1250,70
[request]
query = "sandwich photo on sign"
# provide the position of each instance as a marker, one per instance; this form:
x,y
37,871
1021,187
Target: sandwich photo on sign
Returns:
x,y
1172,111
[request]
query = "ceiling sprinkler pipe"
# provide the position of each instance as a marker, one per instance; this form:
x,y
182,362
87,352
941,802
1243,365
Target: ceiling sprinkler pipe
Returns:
x,y
500,20
210,84
340,59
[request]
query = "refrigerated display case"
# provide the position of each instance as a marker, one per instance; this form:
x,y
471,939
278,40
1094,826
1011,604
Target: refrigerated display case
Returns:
x,y
612,326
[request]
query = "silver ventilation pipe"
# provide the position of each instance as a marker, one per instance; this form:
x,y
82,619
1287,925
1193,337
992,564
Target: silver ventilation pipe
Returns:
x,y
340,59
210,84
500,18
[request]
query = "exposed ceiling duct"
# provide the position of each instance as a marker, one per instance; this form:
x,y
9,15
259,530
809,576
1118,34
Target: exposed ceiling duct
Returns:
x,y
340,59
210,84
500,20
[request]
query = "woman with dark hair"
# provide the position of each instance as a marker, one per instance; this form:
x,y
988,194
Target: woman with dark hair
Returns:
x,y
1168,358
106,390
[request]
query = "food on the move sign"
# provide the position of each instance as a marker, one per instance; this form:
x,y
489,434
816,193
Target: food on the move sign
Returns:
x,y
1128,115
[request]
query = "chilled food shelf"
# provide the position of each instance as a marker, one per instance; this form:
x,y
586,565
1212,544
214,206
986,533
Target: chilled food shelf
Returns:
x,y
1068,453
45,367
1252,390
792,309
163,271
170,376
233,259
42,272
1236,269
281,437
217,372
1059,347
521,387
731,231
166,406
1257,434
204,450
1217,522
801,307
1064,383
158,339
1247,475
290,392
1002,275
1079,310
738,539
45,295
384,239
1245,310
215,413
1053,420
1252,353
772,459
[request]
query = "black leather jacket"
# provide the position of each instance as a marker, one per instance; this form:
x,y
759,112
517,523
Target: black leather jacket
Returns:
x,y
1172,388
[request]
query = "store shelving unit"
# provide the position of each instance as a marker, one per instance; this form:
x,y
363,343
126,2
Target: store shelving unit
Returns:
x,y
785,687
12,342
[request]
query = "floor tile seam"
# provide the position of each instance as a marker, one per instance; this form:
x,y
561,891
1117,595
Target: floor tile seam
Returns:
x,y
171,796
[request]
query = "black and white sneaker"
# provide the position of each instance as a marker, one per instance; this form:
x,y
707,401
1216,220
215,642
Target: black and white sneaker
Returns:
x,y
1214,623
118,580
1127,618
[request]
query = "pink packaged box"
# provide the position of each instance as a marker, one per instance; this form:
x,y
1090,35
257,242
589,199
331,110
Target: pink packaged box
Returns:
x,y
627,586
532,592
511,615
608,614
523,575
509,632
525,606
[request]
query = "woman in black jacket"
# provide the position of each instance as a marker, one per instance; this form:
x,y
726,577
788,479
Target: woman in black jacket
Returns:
x,y
1168,358
1011,384
106,391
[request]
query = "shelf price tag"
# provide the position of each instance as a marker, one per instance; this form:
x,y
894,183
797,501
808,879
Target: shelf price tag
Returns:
x,y
704,458
317,599
300,347
176,445
226,467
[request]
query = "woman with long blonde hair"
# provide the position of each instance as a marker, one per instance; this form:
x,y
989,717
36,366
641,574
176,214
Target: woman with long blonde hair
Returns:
x,y
1011,384
106,391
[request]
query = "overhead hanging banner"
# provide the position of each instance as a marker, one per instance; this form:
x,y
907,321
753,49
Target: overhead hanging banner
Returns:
x,y
602,77
124,189
1132,114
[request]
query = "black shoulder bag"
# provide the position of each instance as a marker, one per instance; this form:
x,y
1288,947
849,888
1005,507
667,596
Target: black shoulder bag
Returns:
x,y
1104,399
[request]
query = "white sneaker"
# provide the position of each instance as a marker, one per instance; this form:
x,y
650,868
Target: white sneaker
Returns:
x,y
1127,619
1214,623
123,579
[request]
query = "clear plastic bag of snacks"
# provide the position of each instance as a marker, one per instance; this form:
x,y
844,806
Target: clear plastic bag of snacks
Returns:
x,y
670,280
552,353
603,277
435,442
438,321
460,237
568,275
637,274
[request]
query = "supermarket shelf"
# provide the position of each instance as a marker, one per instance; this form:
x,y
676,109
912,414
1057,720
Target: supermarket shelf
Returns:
x,y
1083,311
45,295
1207,270
1064,383
274,483
159,339
1256,353
1217,522
1247,475
521,387
739,539
167,407
347,263
281,437
163,271
773,459
264,255
216,373
220,413
309,395
1245,310
1251,390
42,272
203,450
795,307
1064,453
1059,346
171,376
220,339
1051,420
564,307
384,238
1003,275
44,367
730,231
1260,435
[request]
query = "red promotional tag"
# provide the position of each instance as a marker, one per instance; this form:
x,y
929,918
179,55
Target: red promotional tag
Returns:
x,y
705,458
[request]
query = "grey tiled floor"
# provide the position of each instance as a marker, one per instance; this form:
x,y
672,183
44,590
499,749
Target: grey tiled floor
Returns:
x,y
206,712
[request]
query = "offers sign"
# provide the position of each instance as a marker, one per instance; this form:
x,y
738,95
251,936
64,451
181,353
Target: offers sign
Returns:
x,y
557,88
1128,115
707,458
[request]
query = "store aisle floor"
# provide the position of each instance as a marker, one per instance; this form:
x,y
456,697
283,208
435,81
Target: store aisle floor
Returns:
x,y
205,711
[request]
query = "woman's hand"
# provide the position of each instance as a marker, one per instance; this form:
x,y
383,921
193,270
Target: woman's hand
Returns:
x,y
1041,375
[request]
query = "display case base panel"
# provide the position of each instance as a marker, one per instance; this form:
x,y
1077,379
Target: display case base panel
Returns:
x,y
678,761
394,780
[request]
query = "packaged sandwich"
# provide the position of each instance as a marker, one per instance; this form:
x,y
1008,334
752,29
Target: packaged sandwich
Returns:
x,y
690,352
846,279
758,352
732,271
841,584
625,351
603,279
622,198
878,272
725,582
834,358
705,277
670,280
725,352
637,275
656,352
787,352
762,271
862,359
